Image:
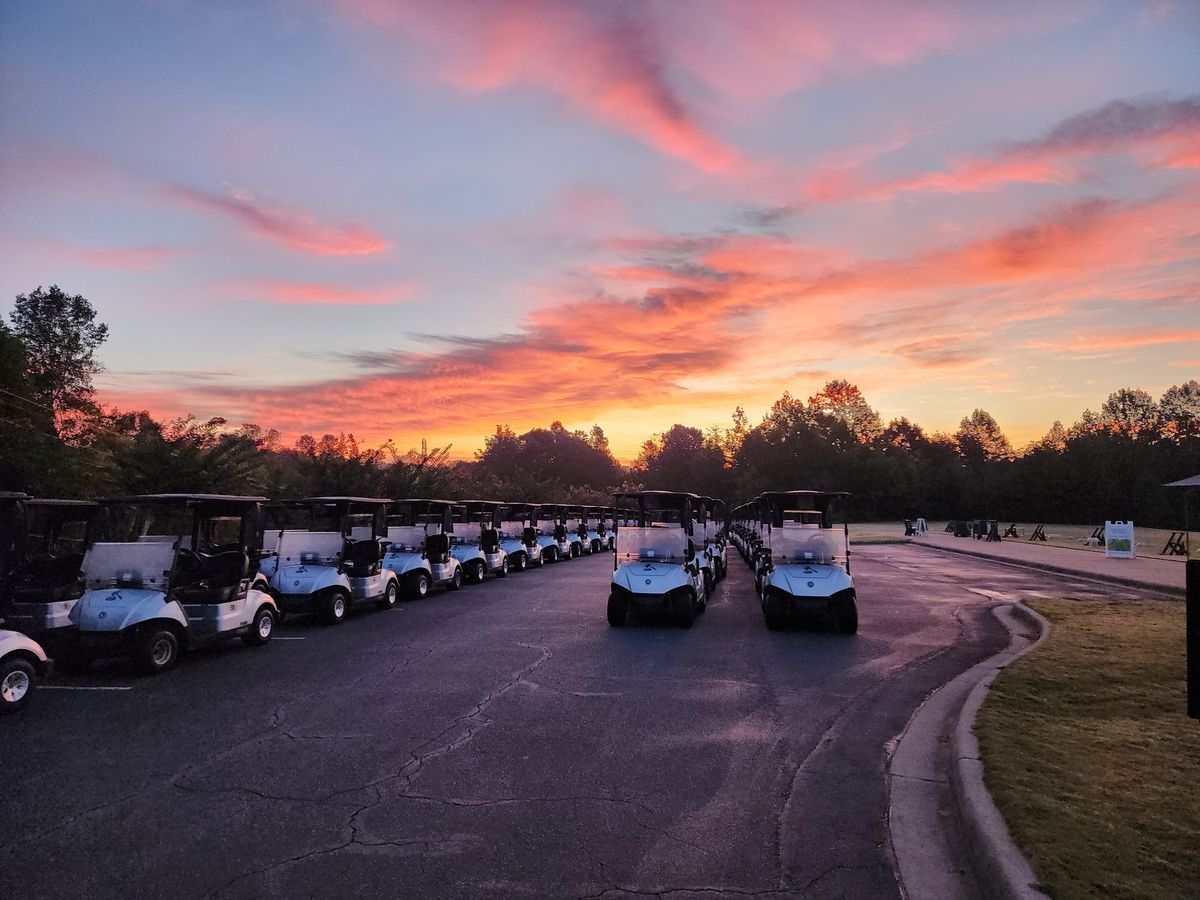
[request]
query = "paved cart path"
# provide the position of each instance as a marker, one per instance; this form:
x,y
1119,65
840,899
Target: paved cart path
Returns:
x,y
500,742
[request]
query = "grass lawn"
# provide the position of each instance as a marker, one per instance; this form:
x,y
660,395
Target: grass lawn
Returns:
x,y
1091,757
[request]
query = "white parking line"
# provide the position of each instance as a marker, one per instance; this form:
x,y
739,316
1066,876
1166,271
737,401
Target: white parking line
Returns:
x,y
80,687
289,639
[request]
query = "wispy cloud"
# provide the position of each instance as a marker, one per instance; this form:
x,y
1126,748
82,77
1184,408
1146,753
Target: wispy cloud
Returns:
x,y
294,229
308,293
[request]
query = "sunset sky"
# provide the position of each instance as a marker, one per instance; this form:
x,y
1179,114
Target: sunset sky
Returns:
x,y
421,220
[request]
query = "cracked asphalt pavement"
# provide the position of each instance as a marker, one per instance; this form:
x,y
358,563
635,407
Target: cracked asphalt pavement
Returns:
x,y
502,741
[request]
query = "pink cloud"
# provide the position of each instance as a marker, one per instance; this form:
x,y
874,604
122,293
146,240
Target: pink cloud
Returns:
x,y
293,229
306,293
126,259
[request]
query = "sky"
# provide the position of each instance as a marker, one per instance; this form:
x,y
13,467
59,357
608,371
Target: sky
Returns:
x,y
418,220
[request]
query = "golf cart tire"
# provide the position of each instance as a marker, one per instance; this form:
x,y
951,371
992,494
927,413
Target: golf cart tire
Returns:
x,y
16,674
156,650
419,585
456,580
475,574
520,561
845,614
391,594
576,551
550,555
618,609
502,572
685,610
774,612
264,620
334,612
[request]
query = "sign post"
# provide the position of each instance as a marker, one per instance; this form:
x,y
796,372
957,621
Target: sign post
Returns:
x,y
1193,636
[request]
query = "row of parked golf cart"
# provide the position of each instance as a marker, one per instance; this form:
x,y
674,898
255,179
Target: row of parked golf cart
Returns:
x,y
801,561
147,577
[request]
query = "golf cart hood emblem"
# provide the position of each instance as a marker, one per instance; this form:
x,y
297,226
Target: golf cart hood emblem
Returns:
x,y
103,615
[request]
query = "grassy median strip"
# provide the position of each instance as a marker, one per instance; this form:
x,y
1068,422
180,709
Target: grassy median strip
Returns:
x,y
1091,757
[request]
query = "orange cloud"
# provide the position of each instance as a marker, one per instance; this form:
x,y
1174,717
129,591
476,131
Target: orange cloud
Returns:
x,y
702,323
126,259
293,229
1165,133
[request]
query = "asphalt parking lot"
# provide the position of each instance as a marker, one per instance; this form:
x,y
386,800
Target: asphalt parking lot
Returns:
x,y
502,741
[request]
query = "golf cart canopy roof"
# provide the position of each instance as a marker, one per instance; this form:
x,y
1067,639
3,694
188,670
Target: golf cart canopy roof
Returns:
x,y
471,505
13,495
1194,481
345,500
186,498
428,504
77,504
663,494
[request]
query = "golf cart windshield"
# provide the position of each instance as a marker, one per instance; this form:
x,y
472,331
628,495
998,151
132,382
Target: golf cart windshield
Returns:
x,y
661,542
802,539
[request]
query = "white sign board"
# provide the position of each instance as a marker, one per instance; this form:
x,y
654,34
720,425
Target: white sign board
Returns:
x,y
1118,540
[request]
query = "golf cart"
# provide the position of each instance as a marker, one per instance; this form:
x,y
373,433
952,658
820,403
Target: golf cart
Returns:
x,y
168,572
327,555
655,564
577,531
552,532
805,562
41,573
418,535
711,541
598,536
22,663
519,537
480,553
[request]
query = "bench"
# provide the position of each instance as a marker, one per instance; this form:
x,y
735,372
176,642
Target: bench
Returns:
x,y
1039,533
1011,531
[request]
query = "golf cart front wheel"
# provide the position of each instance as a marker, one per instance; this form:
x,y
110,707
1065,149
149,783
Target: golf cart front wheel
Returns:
x,y
618,607
335,609
17,681
685,610
475,573
390,595
503,570
845,614
420,585
156,651
519,562
261,628
457,581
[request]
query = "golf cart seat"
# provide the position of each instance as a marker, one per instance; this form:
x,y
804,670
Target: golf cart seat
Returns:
x,y
208,578
361,559
560,532
529,536
437,548
47,578
489,540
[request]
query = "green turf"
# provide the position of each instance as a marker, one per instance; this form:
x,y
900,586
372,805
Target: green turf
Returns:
x,y
1091,757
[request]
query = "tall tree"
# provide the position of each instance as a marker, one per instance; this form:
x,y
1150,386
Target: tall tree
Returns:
x,y
842,401
1179,411
980,439
1130,412
60,335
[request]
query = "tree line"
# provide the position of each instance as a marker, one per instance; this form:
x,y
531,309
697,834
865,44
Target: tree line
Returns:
x,y
57,440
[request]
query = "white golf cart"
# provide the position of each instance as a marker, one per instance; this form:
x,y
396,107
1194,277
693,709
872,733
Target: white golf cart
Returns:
x,y
598,537
805,562
478,552
41,576
168,572
326,554
552,532
418,535
708,538
655,565
577,532
519,537
22,663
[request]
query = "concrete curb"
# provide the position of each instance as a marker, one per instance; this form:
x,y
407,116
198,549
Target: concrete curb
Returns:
x,y
1167,589
935,777
1001,866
